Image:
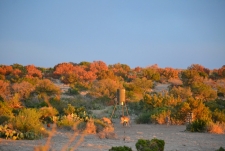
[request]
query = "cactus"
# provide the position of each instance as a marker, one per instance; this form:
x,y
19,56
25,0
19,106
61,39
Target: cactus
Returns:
x,y
14,137
21,135
7,133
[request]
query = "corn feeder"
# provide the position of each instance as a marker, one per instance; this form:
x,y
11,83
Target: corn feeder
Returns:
x,y
120,102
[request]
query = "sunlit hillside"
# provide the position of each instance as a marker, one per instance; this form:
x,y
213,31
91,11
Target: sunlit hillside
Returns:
x,y
152,93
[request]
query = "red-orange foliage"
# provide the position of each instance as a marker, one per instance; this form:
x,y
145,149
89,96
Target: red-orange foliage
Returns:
x,y
63,68
23,89
97,66
154,66
199,68
106,75
32,71
71,73
6,70
4,89
46,86
169,73
17,72
221,72
84,75
137,69
120,69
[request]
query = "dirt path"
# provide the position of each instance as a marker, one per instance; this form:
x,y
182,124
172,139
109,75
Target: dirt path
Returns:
x,y
176,139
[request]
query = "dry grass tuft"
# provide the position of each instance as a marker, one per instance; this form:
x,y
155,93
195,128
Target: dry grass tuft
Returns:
x,y
90,127
107,132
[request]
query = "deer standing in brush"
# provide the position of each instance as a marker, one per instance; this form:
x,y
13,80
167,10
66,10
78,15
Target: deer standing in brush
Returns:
x,y
125,120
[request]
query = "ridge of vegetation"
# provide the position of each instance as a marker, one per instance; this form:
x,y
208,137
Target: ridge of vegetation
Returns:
x,y
154,94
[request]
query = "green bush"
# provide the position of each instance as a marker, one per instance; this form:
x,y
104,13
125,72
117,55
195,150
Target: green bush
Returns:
x,y
218,116
220,149
47,114
26,125
5,110
65,123
120,148
144,118
73,91
197,126
4,119
147,145
28,121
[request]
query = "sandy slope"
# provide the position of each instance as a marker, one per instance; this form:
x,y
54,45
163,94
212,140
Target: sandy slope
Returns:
x,y
174,136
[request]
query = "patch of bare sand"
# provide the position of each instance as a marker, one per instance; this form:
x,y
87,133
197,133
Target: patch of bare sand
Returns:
x,y
161,87
176,139
101,113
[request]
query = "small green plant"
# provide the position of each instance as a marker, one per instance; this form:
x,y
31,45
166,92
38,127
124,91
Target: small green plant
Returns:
x,y
150,145
120,148
28,122
197,126
220,149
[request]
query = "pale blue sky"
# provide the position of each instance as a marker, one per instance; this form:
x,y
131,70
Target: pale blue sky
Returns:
x,y
170,33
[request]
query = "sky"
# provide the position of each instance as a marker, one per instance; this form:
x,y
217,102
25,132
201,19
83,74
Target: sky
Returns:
x,y
170,33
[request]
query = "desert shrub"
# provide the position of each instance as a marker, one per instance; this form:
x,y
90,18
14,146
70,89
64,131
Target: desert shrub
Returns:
x,y
100,125
197,126
216,128
159,115
217,104
107,132
147,145
199,110
143,118
179,113
27,121
5,110
4,119
47,114
218,116
220,149
90,127
81,125
120,148
59,105
69,110
181,92
65,122
72,91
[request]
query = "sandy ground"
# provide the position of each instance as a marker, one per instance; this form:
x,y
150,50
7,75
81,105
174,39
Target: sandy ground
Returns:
x,y
176,139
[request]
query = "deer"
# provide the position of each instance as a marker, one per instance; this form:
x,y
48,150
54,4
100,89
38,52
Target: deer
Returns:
x,y
125,120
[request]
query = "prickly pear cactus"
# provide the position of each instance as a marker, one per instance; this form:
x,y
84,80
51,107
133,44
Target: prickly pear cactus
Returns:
x,y
8,133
